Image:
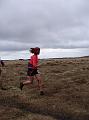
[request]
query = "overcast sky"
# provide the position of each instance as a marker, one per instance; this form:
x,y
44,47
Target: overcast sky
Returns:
x,y
43,23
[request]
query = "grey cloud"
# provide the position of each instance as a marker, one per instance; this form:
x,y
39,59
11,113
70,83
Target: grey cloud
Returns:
x,y
44,23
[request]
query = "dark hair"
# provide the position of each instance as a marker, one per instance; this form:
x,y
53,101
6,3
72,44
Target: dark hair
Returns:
x,y
31,50
35,50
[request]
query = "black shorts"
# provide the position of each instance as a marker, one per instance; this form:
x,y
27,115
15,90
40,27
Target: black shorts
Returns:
x,y
32,72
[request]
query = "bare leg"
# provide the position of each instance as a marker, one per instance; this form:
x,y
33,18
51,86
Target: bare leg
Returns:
x,y
29,81
40,83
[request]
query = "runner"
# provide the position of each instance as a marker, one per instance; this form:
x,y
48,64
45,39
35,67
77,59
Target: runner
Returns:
x,y
33,70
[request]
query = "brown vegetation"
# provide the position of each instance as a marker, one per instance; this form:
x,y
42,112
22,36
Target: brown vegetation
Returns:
x,y
66,85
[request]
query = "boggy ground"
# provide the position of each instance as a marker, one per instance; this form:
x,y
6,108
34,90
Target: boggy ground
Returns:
x,y
66,86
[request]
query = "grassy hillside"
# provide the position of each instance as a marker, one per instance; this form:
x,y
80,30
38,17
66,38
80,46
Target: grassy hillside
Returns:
x,y
66,85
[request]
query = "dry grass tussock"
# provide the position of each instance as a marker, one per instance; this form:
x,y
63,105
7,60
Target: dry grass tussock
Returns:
x,y
66,85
